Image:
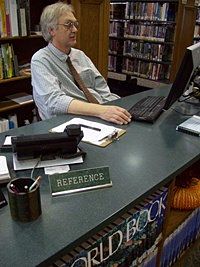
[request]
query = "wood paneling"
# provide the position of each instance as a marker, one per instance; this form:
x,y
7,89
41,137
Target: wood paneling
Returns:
x,y
93,16
184,33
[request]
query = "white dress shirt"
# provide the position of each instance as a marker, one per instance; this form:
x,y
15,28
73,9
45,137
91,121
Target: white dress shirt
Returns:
x,y
54,86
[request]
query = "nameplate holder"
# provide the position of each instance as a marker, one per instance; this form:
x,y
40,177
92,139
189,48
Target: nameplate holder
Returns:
x,y
79,181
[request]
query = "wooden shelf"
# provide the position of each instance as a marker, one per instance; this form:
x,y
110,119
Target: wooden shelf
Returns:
x,y
10,105
10,38
146,21
142,40
146,1
14,79
141,58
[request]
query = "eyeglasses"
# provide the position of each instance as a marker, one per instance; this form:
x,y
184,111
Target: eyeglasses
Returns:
x,y
69,25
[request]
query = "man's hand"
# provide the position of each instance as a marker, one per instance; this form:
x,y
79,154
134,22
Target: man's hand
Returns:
x,y
115,114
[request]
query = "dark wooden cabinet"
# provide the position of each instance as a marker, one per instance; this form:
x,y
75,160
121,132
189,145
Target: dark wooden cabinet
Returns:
x,y
93,16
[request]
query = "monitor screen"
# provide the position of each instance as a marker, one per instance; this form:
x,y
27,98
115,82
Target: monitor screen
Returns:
x,y
190,62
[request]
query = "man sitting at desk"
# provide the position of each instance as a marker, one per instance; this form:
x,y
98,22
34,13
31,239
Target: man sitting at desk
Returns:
x,y
55,90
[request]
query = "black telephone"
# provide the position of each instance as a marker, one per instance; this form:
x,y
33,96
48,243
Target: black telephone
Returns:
x,y
40,145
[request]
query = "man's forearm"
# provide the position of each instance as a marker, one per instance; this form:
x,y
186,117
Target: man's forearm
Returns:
x,y
113,114
84,108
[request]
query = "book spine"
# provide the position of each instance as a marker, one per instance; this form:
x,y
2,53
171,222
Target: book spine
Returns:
x,y
8,26
1,65
13,17
3,18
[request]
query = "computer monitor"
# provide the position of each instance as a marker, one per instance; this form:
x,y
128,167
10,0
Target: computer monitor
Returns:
x,y
190,62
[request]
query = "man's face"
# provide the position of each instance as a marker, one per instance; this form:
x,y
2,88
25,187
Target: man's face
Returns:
x,y
64,37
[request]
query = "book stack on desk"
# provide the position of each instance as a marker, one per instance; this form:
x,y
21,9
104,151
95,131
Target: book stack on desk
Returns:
x,y
190,126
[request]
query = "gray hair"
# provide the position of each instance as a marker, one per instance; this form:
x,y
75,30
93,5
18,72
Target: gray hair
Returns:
x,y
50,16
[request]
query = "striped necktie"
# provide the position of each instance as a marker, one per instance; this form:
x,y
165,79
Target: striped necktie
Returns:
x,y
80,83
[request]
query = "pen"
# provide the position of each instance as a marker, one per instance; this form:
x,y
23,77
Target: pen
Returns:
x,y
26,189
14,188
110,137
90,127
36,182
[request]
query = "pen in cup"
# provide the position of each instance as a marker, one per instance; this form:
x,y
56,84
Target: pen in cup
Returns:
x,y
35,183
14,188
26,189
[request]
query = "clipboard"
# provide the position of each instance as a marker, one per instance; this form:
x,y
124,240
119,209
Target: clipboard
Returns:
x,y
95,133
106,141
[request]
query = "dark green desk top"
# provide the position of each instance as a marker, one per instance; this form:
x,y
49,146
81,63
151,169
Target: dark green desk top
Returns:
x,y
145,158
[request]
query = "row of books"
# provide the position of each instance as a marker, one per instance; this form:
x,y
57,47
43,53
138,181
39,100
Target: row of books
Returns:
x,y
142,50
143,10
151,51
8,123
147,70
8,62
181,239
138,67
131,240
9,66
151,32
116,29
116,46
113,64
14,18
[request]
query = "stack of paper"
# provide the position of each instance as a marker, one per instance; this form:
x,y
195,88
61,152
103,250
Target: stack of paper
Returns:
x,y
4,172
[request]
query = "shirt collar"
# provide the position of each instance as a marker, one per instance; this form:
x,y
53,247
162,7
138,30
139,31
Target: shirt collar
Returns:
x,y
59,54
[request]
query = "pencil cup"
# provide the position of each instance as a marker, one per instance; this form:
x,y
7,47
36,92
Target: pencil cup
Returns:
x,y
25,204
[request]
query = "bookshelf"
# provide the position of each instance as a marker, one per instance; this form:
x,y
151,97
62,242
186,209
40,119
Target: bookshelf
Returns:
x,y
147,38
94,43
23,44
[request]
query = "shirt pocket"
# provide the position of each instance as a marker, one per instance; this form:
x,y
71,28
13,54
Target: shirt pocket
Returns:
x,y
88,78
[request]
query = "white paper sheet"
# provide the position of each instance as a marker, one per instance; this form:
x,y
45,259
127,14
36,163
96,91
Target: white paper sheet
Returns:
x,y
30,163
90,135
4,172
56,169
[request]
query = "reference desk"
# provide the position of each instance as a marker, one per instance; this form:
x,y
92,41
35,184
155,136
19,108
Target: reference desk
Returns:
x,y
145,158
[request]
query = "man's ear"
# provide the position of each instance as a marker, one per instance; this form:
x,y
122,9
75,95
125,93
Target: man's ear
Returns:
x,y
52,32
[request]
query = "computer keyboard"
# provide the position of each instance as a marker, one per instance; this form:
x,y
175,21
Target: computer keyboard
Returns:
x,y
148,108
